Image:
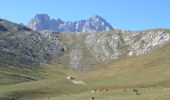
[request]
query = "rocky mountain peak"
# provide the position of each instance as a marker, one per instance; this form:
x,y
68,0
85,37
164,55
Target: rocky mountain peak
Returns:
x,y
43,22
96,18
42,17
97,23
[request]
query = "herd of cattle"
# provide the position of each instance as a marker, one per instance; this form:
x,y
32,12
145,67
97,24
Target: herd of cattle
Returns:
x,y
107,90
102,90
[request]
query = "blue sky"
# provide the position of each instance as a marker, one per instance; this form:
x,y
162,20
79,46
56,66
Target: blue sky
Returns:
x,y
122,14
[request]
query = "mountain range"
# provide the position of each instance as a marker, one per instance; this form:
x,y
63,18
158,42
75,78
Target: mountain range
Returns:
x,y
76,50
43,22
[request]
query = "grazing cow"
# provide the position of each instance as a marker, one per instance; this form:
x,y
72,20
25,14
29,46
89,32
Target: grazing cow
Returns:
x,y
100,90
70,78
92,98
136,91
104,90
124,90
107,90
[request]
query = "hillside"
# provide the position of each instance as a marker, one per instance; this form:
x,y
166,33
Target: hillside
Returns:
x,y
21,45
35,65
147,73
87,50
80,51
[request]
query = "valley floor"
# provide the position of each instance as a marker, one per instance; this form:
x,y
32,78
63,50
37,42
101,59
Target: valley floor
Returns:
x,y
145,77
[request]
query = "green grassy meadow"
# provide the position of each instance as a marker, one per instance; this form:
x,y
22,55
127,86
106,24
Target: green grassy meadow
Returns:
x,y
149,74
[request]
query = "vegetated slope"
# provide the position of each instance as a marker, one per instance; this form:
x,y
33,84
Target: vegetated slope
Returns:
x,y
22,51
25,79
159,29
85,51
149,74
148,67
21,45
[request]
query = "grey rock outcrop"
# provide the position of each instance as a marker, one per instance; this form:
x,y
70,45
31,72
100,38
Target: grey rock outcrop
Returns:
x,y
86,50
21,45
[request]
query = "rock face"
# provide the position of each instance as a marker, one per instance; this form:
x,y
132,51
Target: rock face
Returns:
x,y
21,46
43,22
77,50
86,50
140,43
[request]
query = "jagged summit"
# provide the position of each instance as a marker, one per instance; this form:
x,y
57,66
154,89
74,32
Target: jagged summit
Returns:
x,y
43,22
96,17
42,16
99,22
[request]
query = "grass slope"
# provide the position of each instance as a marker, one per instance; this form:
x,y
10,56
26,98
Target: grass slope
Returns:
x,y
150,74
156,30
